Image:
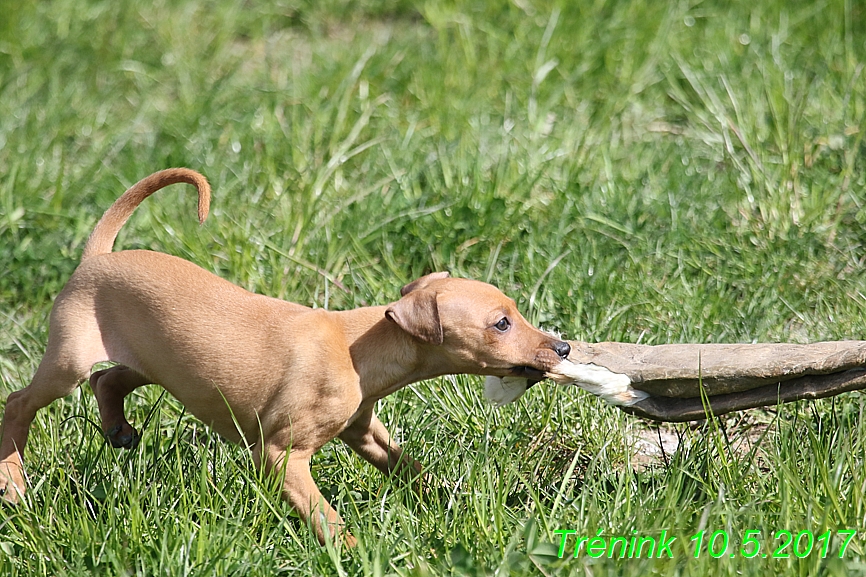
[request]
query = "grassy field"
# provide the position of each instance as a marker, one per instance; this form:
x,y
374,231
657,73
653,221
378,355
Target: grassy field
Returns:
x,y
637,171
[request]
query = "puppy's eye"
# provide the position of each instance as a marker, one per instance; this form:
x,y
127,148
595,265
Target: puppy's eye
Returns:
x,y
503,324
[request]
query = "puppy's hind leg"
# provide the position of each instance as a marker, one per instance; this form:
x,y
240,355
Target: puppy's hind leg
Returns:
x,y
56,377
111,386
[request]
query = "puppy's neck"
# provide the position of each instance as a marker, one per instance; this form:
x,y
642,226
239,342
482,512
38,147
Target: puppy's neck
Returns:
x,y
385,357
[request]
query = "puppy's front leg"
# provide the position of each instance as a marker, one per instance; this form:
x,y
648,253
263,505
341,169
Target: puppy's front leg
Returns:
x,y
368,437
301,492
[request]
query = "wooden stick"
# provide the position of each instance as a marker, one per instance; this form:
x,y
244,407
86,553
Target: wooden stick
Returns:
x,y
672,409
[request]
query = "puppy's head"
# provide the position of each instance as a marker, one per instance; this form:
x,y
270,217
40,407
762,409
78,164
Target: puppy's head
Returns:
x,y
475,327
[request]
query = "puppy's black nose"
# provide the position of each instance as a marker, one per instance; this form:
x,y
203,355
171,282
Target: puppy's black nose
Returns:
x,y
562,349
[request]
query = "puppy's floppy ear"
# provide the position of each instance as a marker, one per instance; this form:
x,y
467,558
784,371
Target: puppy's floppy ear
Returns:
x,y
422,282
417,313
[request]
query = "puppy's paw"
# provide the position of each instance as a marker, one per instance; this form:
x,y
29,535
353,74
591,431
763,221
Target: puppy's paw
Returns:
x,y
123,436
501,391
12,482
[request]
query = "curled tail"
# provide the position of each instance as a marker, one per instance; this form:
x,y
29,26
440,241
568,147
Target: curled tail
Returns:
x,y
102,238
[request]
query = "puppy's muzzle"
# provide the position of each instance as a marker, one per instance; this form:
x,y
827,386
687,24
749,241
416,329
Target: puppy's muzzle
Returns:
x,y
562,350
501,391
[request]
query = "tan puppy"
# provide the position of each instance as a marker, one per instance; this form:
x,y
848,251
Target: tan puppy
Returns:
x,y
280,377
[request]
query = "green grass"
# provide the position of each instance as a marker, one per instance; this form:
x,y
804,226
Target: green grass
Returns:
x,y
637,171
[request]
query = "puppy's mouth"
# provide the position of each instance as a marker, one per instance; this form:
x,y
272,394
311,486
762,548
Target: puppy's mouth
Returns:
x,y
545,358
531,374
